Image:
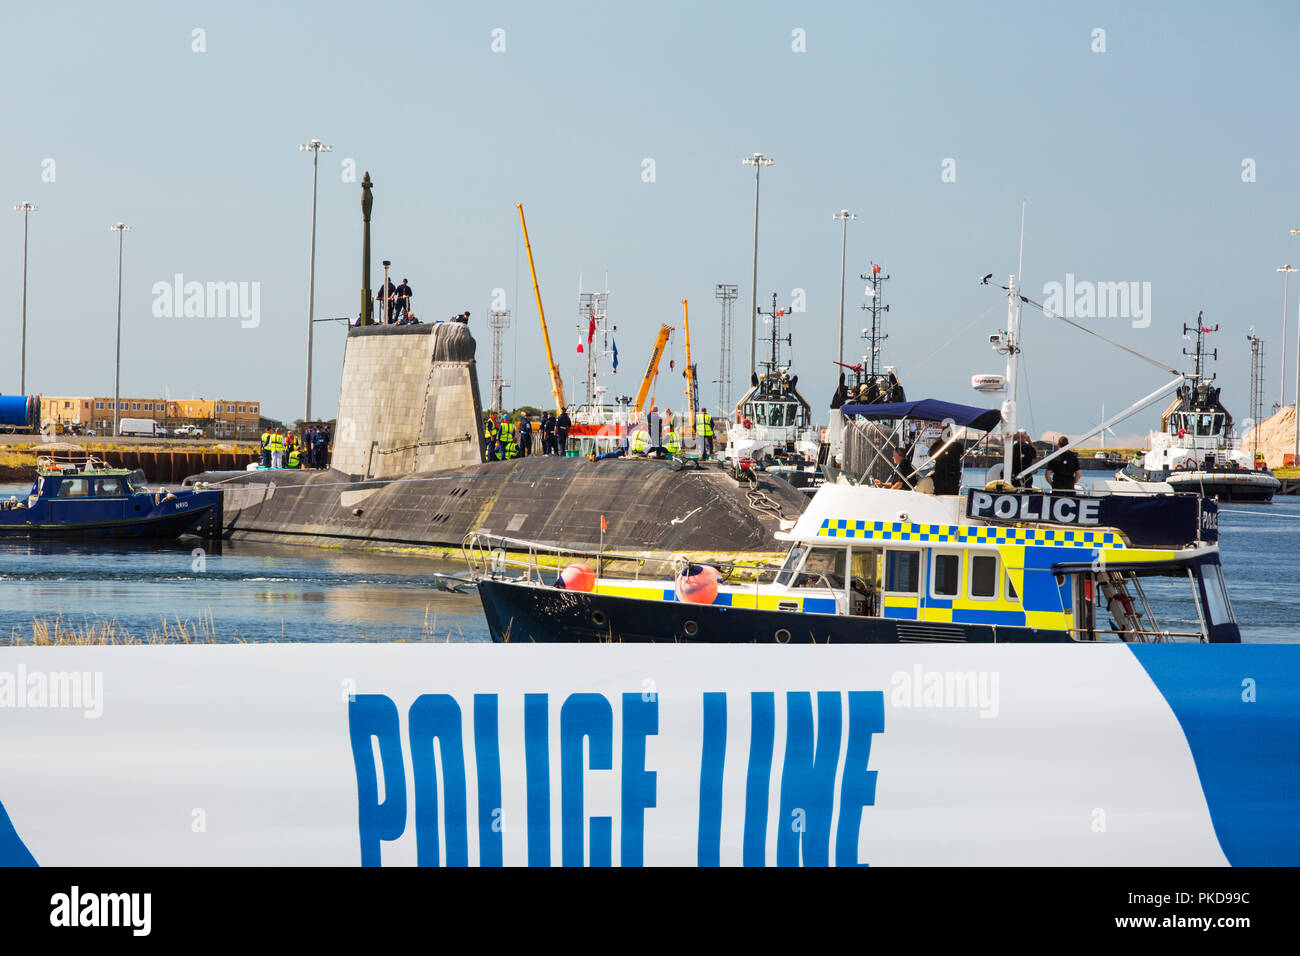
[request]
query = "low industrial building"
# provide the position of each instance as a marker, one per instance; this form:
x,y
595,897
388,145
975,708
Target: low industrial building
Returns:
x,y
219,418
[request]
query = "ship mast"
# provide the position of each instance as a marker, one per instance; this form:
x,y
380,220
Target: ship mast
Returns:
x,y
1199,354
593,307
775,363
1012,347
876,335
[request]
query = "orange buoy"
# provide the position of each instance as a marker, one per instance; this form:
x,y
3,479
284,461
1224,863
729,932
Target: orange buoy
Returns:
x,y
698,584
578,577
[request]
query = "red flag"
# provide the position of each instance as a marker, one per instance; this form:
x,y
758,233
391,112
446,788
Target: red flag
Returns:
x,y
604,528
875,269
579,344
591,329
780,311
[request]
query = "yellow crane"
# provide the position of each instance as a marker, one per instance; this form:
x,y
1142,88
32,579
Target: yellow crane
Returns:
x,y
652,369
557,385
692,386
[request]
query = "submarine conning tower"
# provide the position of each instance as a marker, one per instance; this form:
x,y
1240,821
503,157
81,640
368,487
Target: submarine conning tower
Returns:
x,y
408,401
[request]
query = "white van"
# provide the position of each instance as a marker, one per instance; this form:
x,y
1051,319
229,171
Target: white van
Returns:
x,y
144,427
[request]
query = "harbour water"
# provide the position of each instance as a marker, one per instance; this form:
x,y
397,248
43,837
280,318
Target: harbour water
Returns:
x,y
256,592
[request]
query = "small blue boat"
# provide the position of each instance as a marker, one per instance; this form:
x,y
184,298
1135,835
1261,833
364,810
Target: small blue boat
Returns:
x,y
89,499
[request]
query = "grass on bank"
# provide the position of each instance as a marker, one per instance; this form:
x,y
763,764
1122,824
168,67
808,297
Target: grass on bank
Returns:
x,y
59,631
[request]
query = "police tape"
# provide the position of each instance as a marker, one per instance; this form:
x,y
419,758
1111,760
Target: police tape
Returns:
x,y
597,755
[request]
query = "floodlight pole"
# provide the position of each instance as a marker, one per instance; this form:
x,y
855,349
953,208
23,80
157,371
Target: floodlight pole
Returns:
x,y
758,161
844,216
316,147
121,229
26,209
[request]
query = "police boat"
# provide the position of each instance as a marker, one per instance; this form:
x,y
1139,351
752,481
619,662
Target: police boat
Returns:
x,y
87,498
874,560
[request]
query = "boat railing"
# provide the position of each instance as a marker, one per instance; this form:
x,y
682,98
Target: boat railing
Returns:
x,y
1137,636
69,461
497,556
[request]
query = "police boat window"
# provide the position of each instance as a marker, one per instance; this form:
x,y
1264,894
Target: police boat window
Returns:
x,y
109,487
1011,588
824,566
902,571
945,575
1216,598
983,576
792,561
74,488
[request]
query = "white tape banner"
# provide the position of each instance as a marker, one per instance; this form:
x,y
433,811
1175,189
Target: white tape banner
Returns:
x,y
658,755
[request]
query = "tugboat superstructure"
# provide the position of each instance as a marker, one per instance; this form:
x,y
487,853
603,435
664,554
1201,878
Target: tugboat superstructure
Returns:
x,y
1195,449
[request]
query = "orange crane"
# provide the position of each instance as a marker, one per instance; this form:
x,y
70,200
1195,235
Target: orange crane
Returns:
x,y
557,385
692,385
652,370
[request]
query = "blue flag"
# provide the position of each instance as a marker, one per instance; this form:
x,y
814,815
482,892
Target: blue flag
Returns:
x,y
614,343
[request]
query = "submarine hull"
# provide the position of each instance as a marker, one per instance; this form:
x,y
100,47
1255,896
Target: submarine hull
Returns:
x,y
648,505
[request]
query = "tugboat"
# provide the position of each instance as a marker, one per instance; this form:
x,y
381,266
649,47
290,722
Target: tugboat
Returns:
x,y
772,429
1195,449
87,498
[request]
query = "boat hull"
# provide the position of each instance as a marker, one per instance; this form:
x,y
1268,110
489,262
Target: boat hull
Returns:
x,y
530,613
166,520
1225,485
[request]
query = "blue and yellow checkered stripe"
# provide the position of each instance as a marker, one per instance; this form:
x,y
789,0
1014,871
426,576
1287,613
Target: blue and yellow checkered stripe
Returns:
x,y
904,531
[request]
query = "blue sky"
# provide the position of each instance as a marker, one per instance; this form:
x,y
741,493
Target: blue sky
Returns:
x,y
1131,161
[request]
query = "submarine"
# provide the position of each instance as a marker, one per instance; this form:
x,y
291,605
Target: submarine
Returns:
x,y
408,466
408,471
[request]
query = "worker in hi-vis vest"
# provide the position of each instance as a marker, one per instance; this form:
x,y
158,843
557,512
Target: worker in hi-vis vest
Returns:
x,y
277,449
672,444
640,442
295,458
704,429
266,448
490,435
507,439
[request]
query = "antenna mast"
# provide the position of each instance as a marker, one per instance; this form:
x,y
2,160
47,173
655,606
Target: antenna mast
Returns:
x,y
1256,384
498,322
725,294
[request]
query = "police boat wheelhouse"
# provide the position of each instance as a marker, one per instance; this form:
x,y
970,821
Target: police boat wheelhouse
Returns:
x,y
87,498
873,563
